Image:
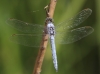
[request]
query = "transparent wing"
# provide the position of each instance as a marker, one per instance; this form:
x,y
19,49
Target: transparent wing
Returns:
x,y
73,35
27,39
75,21
25,27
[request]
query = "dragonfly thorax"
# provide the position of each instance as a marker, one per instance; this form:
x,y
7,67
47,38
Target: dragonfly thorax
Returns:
x,y
50,29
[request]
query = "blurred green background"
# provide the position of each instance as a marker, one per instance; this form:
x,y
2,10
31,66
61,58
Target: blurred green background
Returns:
x,y
81,57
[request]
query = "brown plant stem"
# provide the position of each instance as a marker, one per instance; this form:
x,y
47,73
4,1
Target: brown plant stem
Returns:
x,y
42,50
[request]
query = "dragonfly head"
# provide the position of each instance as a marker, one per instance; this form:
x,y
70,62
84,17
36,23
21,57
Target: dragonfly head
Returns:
x,y
49,20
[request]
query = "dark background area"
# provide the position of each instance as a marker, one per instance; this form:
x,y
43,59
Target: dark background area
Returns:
x,y
81,57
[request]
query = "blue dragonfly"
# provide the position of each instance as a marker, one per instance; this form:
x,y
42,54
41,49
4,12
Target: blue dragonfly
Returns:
x,y
62,33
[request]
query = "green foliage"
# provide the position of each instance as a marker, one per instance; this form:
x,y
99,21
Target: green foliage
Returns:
x,y
81,57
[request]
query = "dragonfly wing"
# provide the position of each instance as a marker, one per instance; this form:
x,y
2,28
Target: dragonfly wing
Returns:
x,y
75,21
25,27
27,39
73,35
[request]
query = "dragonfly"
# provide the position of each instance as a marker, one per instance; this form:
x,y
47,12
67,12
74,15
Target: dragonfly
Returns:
x,y
63,33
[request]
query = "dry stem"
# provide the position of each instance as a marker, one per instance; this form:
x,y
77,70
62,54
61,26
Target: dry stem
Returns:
x,y
41,53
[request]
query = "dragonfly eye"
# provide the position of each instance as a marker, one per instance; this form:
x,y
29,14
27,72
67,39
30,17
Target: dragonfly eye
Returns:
x,y
48,19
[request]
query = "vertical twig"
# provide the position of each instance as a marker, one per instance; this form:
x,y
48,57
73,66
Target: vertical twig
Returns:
x,y
41,53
